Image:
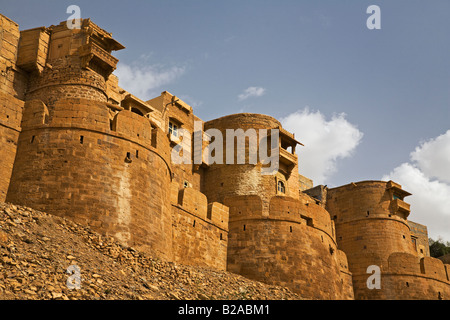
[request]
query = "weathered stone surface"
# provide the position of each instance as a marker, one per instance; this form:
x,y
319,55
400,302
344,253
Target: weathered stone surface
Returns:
x,y
80,148
371,230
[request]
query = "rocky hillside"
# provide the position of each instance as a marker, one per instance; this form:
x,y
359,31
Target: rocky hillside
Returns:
x,y
37,249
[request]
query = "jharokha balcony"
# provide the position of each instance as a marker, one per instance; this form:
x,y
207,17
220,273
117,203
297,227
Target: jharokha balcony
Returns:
x,y
92,54
288,158
397,194
401,207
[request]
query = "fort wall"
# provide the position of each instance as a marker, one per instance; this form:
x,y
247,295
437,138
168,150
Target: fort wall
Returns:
x,y
76,166
372,229
408,277
200,230
90,151
271,233
223,180
13,79
10,118
65,78
77,145
12,86
292,247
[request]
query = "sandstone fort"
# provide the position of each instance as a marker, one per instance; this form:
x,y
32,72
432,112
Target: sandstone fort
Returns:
x,y
76,145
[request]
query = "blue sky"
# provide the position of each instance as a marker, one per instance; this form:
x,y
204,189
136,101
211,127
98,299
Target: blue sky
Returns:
x,y
374,96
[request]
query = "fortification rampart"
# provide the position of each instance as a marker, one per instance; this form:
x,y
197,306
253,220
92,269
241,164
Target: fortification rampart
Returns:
x,y
406,276
71,163
224,180
11,91
372,228
13,79
292,246
77,145
10,118
200,229
65,78
366,214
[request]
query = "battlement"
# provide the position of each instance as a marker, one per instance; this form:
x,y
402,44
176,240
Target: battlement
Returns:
x,y
200,229
195,203
94,116
294,230
303,211
406,276
77,145
368,199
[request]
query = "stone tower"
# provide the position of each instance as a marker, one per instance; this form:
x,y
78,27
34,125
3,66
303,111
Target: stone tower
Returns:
x,y
371,219
12,91
83,153
75,144
276,234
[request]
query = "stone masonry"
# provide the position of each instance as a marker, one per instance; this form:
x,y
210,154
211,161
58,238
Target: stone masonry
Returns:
x,y
76,145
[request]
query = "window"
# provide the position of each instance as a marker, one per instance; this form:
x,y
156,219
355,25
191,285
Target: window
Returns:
x,y
128,158
309,221
281,187
173,129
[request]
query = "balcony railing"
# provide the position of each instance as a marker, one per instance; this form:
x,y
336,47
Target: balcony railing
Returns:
x,y
287,158
401,206
91,52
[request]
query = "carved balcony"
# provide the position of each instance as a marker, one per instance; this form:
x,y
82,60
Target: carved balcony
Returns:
x,y
94,57
287,161
401,207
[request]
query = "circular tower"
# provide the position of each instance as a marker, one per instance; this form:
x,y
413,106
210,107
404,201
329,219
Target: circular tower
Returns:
x,y
86,159
276,234
371,224
232,178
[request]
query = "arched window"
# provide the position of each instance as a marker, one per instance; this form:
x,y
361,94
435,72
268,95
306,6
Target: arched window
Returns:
x,y
281,187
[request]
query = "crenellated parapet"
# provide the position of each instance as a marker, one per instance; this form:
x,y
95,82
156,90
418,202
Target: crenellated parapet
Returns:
x,y
273,248
105,168
373,230
200,229
75,144
406,276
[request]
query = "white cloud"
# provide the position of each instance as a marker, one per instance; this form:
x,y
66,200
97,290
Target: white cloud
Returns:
x,y
141,79
426,176
251,92
433,157
326,141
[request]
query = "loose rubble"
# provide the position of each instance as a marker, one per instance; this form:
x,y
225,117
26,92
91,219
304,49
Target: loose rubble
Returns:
x,y
42,256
